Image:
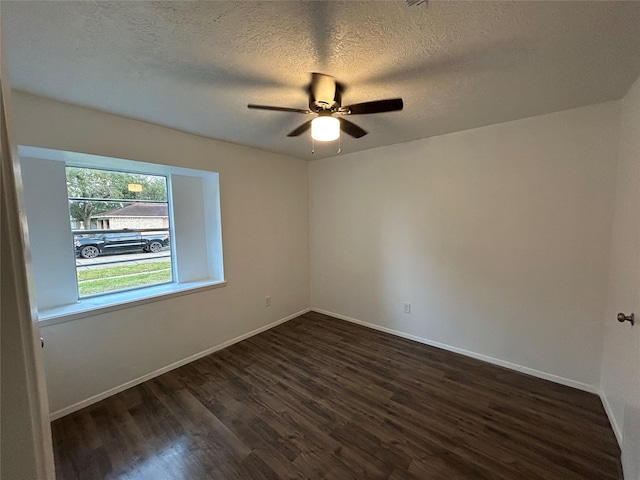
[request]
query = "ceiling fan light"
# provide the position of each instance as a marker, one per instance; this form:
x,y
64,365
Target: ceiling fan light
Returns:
x,y
325,129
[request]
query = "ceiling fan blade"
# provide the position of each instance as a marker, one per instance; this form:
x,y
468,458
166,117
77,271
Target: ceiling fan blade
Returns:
x,y
377,106
300,130
278,109
351,128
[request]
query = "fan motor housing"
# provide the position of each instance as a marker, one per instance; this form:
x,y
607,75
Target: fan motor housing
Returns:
x,y
325,94
321,104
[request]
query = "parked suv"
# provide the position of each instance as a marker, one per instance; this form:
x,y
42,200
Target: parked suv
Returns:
x,y
91,247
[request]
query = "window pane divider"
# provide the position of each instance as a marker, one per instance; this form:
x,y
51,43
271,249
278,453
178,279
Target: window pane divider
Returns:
x,y
115,200
119,230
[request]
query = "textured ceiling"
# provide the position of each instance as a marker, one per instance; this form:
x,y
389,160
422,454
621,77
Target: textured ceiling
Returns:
x,y
195,66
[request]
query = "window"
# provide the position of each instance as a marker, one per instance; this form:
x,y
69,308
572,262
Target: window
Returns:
x,y
120,225
107,233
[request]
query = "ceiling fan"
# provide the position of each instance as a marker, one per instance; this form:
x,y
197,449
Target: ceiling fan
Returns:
x,y
325,102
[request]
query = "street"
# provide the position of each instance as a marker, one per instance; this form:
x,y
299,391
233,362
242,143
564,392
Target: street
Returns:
x,y
105,260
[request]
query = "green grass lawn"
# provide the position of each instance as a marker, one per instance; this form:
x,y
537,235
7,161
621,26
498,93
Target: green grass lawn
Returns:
x,y
119,277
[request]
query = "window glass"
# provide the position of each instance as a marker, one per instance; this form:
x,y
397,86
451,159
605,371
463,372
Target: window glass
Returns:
x,y
121,230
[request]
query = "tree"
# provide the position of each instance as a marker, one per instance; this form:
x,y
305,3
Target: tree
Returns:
x,y
111,188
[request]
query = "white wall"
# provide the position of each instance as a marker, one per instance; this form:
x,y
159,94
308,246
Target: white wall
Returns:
x,y
264,202
621,360
50,240
498,237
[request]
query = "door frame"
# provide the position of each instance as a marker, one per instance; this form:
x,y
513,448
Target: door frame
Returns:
x,y
27,450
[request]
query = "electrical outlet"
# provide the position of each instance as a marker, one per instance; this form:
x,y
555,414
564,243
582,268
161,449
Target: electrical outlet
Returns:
x,y
267,301
406,308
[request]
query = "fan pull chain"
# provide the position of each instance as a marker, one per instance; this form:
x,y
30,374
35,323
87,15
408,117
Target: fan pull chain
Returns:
x,y
313,146
340,144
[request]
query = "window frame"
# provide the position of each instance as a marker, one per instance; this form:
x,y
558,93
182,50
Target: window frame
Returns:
x,y
169,229
193,269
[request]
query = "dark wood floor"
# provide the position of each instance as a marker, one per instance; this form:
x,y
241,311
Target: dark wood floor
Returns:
x,y
322,398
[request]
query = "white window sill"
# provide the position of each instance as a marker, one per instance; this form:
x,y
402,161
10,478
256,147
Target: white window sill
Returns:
x,y
117,301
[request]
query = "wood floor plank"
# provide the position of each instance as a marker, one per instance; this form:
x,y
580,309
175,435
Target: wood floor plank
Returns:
x,y
320,398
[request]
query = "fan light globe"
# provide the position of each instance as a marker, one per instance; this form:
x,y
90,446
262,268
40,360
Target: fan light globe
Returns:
x,y
325,129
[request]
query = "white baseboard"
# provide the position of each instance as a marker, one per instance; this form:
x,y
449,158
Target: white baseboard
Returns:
x,y
612,419
496,361
112,391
